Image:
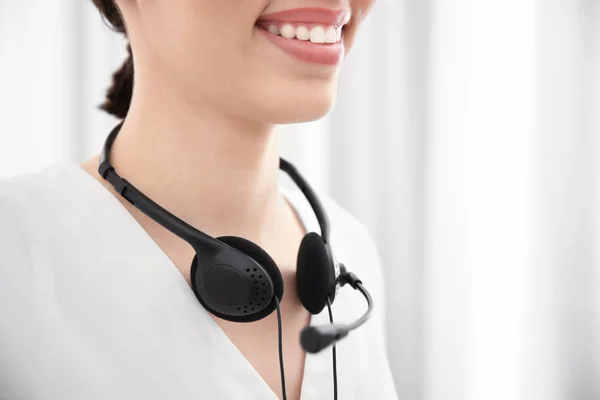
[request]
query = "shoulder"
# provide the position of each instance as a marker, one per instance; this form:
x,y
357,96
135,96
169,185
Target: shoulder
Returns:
x,y
18,199
23,198
348,225
348,234
30,211
354,239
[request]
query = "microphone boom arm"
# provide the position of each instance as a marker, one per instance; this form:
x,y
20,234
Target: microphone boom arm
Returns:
x,y
366,315
316,338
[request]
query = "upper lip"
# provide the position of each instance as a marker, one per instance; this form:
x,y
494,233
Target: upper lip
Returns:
x,y
310,15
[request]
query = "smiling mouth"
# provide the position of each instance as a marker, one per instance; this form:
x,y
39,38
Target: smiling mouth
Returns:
x,y
314,35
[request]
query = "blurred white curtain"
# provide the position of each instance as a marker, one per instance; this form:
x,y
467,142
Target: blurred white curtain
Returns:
x,y
465,136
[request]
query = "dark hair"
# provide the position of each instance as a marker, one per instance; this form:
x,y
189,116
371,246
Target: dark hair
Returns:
x,y
118,96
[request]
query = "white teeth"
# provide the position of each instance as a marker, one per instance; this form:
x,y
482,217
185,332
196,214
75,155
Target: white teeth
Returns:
x,y
302,33
288,31
274,29
317,34
331,35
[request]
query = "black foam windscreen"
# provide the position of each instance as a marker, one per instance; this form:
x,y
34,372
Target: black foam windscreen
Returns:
x,y
264,259
314,272
316,338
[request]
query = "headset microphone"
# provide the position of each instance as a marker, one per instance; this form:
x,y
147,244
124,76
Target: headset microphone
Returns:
x,y
316,338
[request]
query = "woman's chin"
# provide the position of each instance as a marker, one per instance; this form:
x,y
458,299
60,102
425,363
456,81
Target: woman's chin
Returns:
x,y
298,112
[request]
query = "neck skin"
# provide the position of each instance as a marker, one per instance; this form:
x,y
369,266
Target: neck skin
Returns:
x,y
217,172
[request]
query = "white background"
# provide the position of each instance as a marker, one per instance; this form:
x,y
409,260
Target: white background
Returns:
x,y
466,136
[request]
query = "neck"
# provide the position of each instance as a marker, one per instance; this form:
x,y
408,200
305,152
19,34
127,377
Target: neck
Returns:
x,y
217,172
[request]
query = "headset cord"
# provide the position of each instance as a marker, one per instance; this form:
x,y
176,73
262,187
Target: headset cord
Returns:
x,y
335,394
280,330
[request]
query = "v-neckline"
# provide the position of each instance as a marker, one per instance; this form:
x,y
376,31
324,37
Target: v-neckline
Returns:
x,y
316,366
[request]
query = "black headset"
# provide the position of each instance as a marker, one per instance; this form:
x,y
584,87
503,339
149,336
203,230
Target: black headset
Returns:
x,y
236,280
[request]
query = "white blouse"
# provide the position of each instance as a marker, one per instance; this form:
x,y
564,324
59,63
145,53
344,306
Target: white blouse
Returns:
x,y
92,308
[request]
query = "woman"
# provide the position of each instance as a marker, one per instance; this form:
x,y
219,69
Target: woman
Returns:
x,y
95,295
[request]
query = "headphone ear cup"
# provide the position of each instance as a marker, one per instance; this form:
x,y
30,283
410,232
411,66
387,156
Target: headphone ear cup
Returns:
x,y
263,258
315,273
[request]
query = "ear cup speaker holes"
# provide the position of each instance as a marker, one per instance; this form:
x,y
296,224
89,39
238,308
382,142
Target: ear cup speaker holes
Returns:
x,y
259,288
258,281
262,279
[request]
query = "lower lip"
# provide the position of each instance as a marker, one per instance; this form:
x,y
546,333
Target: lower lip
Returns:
x,y
305,50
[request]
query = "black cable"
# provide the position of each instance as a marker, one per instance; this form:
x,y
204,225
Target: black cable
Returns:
x,y
280,334
334,354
